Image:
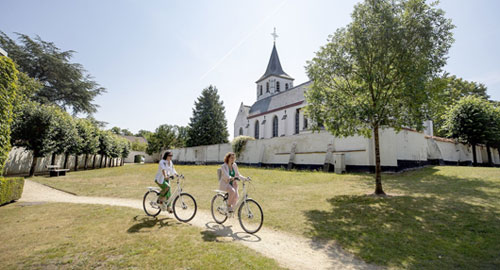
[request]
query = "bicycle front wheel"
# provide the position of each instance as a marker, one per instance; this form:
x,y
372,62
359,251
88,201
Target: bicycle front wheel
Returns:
x,y
250,216
149,203
184,207
219,208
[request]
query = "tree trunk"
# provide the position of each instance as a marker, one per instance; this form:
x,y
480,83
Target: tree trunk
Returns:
x,y
122,162
490,161
86,160
93,163
110,161
474,158
76,163
378,169
33,165
66,157
100,162
53,160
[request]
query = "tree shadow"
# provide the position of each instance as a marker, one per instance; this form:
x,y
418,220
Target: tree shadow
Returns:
x,y
147,222
410,232
215,232
428,181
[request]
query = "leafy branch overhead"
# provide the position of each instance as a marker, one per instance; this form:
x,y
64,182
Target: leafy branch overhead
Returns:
x,y
63,83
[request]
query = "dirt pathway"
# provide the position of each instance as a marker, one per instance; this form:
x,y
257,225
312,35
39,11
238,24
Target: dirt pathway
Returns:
x,y
288,250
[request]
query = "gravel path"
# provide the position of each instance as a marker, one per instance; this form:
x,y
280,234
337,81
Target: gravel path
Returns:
x,y
288,250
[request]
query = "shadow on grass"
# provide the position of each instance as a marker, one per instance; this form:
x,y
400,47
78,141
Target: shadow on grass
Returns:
x,y
215,231
146,222
411,232
429,181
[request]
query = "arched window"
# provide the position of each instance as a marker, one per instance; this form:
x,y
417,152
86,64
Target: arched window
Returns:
x,y
241,131
277,86
286,86
256,134
267,87
260,93
275,126
297,114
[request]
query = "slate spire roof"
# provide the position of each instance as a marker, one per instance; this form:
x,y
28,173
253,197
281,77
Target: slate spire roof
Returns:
x,y
274,67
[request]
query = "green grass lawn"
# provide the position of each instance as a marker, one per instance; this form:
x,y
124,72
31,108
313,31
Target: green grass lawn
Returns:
x,y
438,217
74,236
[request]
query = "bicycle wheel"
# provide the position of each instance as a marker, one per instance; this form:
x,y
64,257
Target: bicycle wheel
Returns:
x,y
250,216
184,207
149,203
219,208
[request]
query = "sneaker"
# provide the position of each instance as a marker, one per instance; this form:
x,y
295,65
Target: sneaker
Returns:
x,y
169,209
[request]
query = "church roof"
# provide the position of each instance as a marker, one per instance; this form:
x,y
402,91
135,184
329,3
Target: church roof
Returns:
x,y
274,67
291,97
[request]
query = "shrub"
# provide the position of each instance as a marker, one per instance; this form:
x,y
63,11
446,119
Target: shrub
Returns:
x,y
11,189
239,144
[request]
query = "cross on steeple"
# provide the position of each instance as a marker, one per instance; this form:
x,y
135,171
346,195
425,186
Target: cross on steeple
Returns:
x,y
274,35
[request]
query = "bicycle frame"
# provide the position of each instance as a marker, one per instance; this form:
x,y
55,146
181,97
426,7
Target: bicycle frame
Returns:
x,y
174,194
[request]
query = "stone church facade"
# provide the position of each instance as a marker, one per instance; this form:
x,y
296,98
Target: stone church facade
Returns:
x,y
278,111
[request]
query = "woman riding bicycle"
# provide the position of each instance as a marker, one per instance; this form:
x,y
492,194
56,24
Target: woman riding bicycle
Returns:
x,y
227,181
165,172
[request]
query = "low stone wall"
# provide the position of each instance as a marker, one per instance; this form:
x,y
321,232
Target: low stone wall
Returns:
x,y
399,151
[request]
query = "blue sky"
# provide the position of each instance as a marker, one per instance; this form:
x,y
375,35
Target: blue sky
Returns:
x,y
155,57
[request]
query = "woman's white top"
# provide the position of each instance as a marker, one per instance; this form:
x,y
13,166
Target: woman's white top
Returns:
x,y
166,165
225,172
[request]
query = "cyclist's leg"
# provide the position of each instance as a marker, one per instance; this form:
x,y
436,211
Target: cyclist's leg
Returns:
x,y
163,191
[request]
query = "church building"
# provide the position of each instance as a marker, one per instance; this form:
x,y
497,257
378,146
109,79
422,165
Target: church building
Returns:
x,y
278,110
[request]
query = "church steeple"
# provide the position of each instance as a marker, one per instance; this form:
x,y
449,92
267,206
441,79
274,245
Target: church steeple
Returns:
x,y
274,67
274,80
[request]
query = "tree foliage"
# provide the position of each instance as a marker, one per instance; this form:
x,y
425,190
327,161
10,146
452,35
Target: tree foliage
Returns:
x,y
445,92
8,89
165,137
64,83
373,73
42,129
208,124
472,120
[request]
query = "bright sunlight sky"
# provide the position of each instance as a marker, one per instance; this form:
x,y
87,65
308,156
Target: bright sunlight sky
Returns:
x,y
155,57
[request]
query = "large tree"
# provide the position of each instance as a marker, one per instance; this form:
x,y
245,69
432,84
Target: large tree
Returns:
x,y
471,121
372,74
65,84
42,129
208,124
445,92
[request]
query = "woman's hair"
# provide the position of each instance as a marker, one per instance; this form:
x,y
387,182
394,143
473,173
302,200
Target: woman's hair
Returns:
x,y
168,153
227,156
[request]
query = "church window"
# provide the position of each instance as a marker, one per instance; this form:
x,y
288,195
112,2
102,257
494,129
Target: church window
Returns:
x,y
275,126
277,86
267,87
297,117
241,131
286,86
260,93
256,129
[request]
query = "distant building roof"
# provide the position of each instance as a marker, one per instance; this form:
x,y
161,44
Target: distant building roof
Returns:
x,y
135,138
2,52
274,67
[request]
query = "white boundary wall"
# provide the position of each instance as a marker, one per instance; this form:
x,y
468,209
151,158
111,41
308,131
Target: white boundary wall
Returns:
x,y
399,151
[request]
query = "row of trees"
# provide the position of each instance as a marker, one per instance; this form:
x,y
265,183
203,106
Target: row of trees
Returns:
x,y
47,130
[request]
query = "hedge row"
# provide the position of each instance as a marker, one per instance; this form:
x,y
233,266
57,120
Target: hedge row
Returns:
x,y
11,189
